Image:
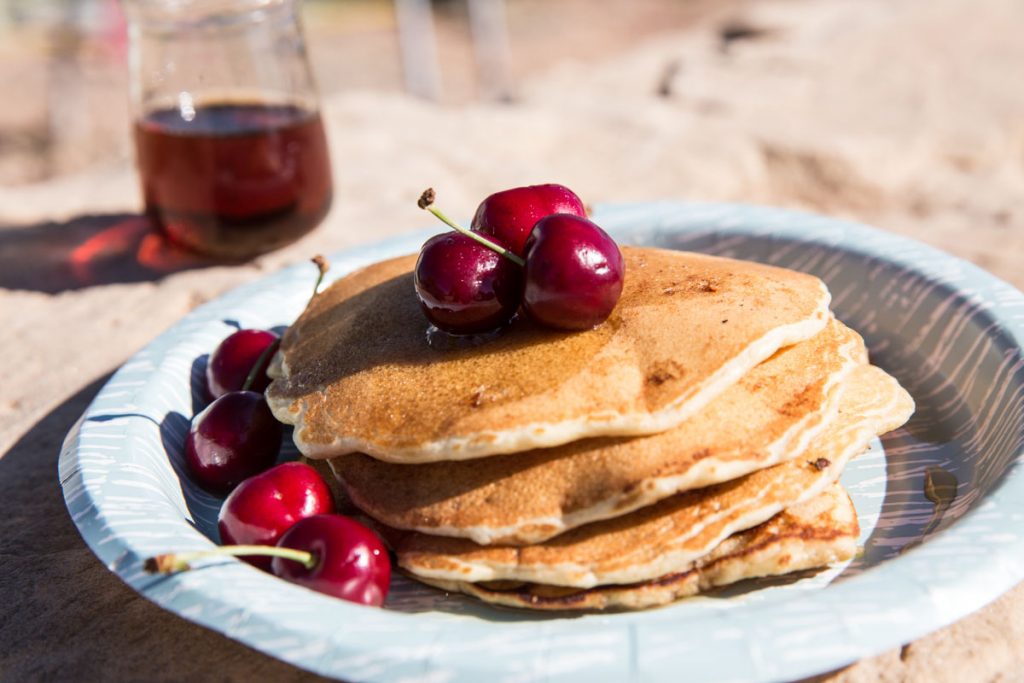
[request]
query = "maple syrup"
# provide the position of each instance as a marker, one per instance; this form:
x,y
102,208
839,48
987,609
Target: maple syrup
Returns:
x,y
234,180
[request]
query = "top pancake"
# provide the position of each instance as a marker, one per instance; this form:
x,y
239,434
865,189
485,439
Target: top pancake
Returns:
x,y
769,416
356,372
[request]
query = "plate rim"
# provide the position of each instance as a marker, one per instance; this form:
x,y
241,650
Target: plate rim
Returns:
x,y
942,602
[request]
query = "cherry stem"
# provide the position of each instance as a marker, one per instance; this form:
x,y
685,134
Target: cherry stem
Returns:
x,y
426,202
168,563
251,377
322,266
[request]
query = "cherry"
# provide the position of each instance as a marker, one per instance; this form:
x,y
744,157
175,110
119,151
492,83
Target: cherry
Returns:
x,y
351,563
232,439
266,505
327,553
574,273
510,215
465,287
248,353
235,357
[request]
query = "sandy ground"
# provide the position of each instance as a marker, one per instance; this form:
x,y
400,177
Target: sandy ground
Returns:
x,y
902,114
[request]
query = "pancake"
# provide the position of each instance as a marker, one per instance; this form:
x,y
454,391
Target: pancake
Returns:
x,y
665,537
814,534
357,372
768,417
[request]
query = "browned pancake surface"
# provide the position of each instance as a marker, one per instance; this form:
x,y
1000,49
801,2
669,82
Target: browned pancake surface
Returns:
x,y
766,418
356,372
660,538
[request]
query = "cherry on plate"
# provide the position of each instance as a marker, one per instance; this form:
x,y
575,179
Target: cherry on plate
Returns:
x,y
510,215
574,273
349,561
263,507
464,287
232,439
331,554
233,359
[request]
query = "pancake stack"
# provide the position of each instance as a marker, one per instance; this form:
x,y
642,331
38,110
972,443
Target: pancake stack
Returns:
x,y
693,440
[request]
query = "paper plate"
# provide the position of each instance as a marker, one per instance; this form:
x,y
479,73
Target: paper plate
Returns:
x,y
950,333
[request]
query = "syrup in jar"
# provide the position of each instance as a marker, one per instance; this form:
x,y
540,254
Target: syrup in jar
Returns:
x,y
234,179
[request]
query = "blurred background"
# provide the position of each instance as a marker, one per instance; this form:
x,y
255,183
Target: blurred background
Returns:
x,y
905,113
64,61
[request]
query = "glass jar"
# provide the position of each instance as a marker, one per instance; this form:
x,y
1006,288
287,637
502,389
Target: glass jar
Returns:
x,y
230,146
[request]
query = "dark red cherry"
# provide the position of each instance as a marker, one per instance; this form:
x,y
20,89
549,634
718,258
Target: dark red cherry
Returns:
x,y
232,439
574,273
232,360
464,287
349,561
510,215
266,505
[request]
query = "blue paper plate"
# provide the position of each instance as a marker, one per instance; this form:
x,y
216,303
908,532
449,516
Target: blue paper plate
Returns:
x,y
950,333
